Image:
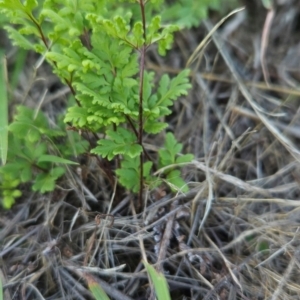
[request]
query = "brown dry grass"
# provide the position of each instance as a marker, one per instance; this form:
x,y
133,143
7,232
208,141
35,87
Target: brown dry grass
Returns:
x,y
234,235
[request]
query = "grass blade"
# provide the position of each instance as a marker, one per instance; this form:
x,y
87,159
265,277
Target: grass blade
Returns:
x,y
1,290
55,159
159,282
3,110
95,288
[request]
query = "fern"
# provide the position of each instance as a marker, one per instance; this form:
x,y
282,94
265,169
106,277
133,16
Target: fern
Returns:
x,y
169,156
98,49
129,174
168,91
121,141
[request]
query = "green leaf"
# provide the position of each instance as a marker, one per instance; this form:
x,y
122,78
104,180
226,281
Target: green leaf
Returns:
x,y
159,282
77,115
176,183
45,182
26,174
30,126
8,189
8,202
154,127
18,169
156,105
263,246
3,110
169,156
172,145
129,178
147,168
11,5
137,32
30,5
95,288
67,61
166,39
55,159
148,85
121,141
38,151
170,90
117,28
169,153
131,67
129,174
153,29
24,128
184,158
19,39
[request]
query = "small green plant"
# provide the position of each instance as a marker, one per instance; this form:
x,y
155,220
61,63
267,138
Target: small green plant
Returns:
x,y
98,49
33,155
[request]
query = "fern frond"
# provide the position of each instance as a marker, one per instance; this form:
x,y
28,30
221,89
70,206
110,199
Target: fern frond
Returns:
x,y
121,141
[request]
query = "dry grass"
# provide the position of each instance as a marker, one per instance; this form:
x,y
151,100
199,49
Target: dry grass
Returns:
x,y
233,236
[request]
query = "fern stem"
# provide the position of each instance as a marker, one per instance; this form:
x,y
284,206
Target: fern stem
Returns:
x,y
42,36
140,133
39,28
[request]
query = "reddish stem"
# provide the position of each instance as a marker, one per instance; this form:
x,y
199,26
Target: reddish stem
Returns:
x,y
140,132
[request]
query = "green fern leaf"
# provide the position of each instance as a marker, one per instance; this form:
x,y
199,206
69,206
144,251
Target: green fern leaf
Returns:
x,y
153,30
170,90
129,179
184,158
166,39
131,67
156,105
19,169
77,115
121,141
169,155
170,151
45,182
8,189
30,5
175,182
129,173
11,5
137,35
18,39
154,126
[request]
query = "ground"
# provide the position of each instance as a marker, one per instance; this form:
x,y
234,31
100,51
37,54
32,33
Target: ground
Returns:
x,y
234,235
